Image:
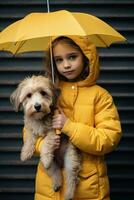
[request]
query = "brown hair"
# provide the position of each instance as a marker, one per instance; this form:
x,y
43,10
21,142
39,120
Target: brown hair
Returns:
x,y
67,41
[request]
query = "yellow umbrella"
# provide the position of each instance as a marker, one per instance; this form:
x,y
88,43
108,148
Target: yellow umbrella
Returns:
x,y
33,32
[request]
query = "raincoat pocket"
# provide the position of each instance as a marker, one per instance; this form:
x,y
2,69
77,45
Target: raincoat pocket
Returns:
x,y
88,185
87,174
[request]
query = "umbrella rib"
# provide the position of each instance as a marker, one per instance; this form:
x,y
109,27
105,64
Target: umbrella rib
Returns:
x,y
102,40
21,44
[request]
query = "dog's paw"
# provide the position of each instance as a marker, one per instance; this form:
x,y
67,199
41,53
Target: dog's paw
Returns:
x,y
56,188
57,183
47,161
46,165
69,195
68,198
24,156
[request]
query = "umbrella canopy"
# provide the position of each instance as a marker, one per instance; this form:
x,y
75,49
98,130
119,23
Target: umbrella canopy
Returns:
x,y
33,32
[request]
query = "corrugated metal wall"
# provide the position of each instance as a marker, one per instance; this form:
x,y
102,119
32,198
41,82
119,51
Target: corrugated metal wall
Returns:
x,y
117,75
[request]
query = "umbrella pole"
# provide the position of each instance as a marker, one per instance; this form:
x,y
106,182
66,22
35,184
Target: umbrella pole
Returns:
x,y
51,61
51,56
48,8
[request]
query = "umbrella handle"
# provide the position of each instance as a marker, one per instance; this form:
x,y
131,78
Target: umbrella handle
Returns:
x,y
58,131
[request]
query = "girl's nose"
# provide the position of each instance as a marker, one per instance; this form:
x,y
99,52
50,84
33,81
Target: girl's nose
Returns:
x,y
67,65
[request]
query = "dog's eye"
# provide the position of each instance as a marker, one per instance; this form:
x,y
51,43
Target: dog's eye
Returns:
x,y
43,93
29,95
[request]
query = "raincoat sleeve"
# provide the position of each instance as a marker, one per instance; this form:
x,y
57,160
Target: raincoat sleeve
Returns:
x,y
38,143
106,133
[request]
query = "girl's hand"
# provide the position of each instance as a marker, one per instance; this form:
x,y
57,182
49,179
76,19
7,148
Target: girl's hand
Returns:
x,y
57,142
53,141
59,120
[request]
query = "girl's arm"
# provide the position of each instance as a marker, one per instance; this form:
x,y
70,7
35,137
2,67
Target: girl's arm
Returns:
x,y
106,133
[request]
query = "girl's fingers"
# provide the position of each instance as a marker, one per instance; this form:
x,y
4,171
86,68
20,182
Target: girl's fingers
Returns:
x,y
59,121
57,142
54,142
57,124
56,116
56,119
61,111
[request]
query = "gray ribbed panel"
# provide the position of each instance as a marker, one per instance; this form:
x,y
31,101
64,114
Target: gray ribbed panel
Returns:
x,y
117,75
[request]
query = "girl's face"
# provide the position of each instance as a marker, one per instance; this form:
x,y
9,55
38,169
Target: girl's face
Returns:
x,y
68,60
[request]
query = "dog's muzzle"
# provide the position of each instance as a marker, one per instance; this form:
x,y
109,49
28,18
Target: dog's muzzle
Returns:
x,y
37,107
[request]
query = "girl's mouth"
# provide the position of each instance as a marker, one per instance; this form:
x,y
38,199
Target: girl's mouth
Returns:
x,y
68,72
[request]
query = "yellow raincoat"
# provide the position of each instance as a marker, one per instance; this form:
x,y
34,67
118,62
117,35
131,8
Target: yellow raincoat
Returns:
x,y
93,126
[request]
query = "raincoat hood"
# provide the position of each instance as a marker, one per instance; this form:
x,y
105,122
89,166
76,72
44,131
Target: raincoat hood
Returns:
x,y
89,50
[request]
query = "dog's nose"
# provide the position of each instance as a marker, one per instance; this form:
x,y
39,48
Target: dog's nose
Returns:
x,y
37,106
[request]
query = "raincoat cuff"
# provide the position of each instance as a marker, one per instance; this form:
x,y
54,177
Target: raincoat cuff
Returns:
x,y
68,127
39,144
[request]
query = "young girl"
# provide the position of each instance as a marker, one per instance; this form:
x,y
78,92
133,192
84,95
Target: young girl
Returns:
x,y
87,116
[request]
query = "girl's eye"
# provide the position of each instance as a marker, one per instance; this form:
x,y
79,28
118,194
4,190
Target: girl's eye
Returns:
x,y
58,60
72,57
29,95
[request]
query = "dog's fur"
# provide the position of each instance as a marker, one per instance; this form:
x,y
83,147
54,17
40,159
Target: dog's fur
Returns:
x,y
36,96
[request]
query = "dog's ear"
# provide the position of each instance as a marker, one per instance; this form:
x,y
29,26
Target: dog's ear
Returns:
x,y
15,99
